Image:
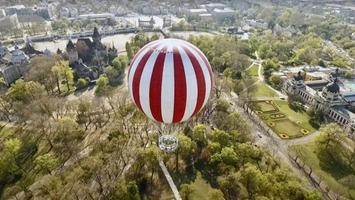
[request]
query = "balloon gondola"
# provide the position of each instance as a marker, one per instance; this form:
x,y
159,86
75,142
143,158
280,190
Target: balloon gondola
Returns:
x,y
170,81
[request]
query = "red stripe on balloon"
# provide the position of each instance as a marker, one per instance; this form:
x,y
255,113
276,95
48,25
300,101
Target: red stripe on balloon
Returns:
x,y
179,87
135,57
137,77
201,85
156,85
205,61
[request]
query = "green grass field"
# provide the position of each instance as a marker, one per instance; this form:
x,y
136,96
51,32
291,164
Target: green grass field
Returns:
x,y
265,107
331,176
253,70
284,121
200,188
261,90
288,127
301,117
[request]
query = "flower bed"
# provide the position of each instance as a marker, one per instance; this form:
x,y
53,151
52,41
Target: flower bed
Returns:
x,y
277,116
284,136
264,117
271,124
304,131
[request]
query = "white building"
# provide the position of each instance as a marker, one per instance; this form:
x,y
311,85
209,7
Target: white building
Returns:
x,y
195,12
326,96
221,14
212,6
206,17
2,13
101,16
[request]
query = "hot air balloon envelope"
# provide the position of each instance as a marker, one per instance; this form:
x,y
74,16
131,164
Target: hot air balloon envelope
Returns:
x,y
170,80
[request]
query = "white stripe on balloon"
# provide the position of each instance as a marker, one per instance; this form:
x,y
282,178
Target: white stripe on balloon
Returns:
x,y
134,67
168,90
191,85
205,71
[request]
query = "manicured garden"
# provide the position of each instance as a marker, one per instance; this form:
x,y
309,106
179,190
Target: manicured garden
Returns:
x,y
332,175
284,121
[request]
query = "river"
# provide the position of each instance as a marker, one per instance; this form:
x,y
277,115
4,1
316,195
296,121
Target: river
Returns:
x,y
118,40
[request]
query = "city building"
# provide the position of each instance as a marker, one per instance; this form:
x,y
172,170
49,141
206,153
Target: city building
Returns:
x,y
334,96
195,12
2,13
212,6
222,14
167,21
99,17
12,64
88,57
43,12
206,17
257,23
9,24
146,23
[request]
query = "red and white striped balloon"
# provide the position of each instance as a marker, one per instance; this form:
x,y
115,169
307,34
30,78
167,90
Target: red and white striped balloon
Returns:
x,y
170,80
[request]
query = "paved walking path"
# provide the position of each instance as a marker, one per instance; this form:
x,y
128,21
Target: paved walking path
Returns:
x,y
170,180
261,78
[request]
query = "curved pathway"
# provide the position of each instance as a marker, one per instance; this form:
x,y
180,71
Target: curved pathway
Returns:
x,y
261,77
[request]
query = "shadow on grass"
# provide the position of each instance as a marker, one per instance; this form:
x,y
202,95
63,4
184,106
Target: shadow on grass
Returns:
x,y
335,166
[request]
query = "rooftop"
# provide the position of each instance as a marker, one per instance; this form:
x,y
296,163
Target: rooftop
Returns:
x,y
197,10
225,10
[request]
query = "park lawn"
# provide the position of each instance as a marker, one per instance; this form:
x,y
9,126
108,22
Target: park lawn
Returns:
x,y
308,154
288,127
261,90
252,72
302,118
200,188
265,107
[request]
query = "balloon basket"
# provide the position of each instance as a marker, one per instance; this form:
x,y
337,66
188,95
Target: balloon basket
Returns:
x,y
168,143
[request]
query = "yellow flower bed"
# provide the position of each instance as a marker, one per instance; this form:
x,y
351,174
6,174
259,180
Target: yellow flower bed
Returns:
x,y
305,131
284,136
271,124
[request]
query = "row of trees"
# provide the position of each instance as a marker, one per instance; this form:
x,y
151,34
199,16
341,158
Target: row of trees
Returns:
x,y
103,148
52,72
336,154
222,151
